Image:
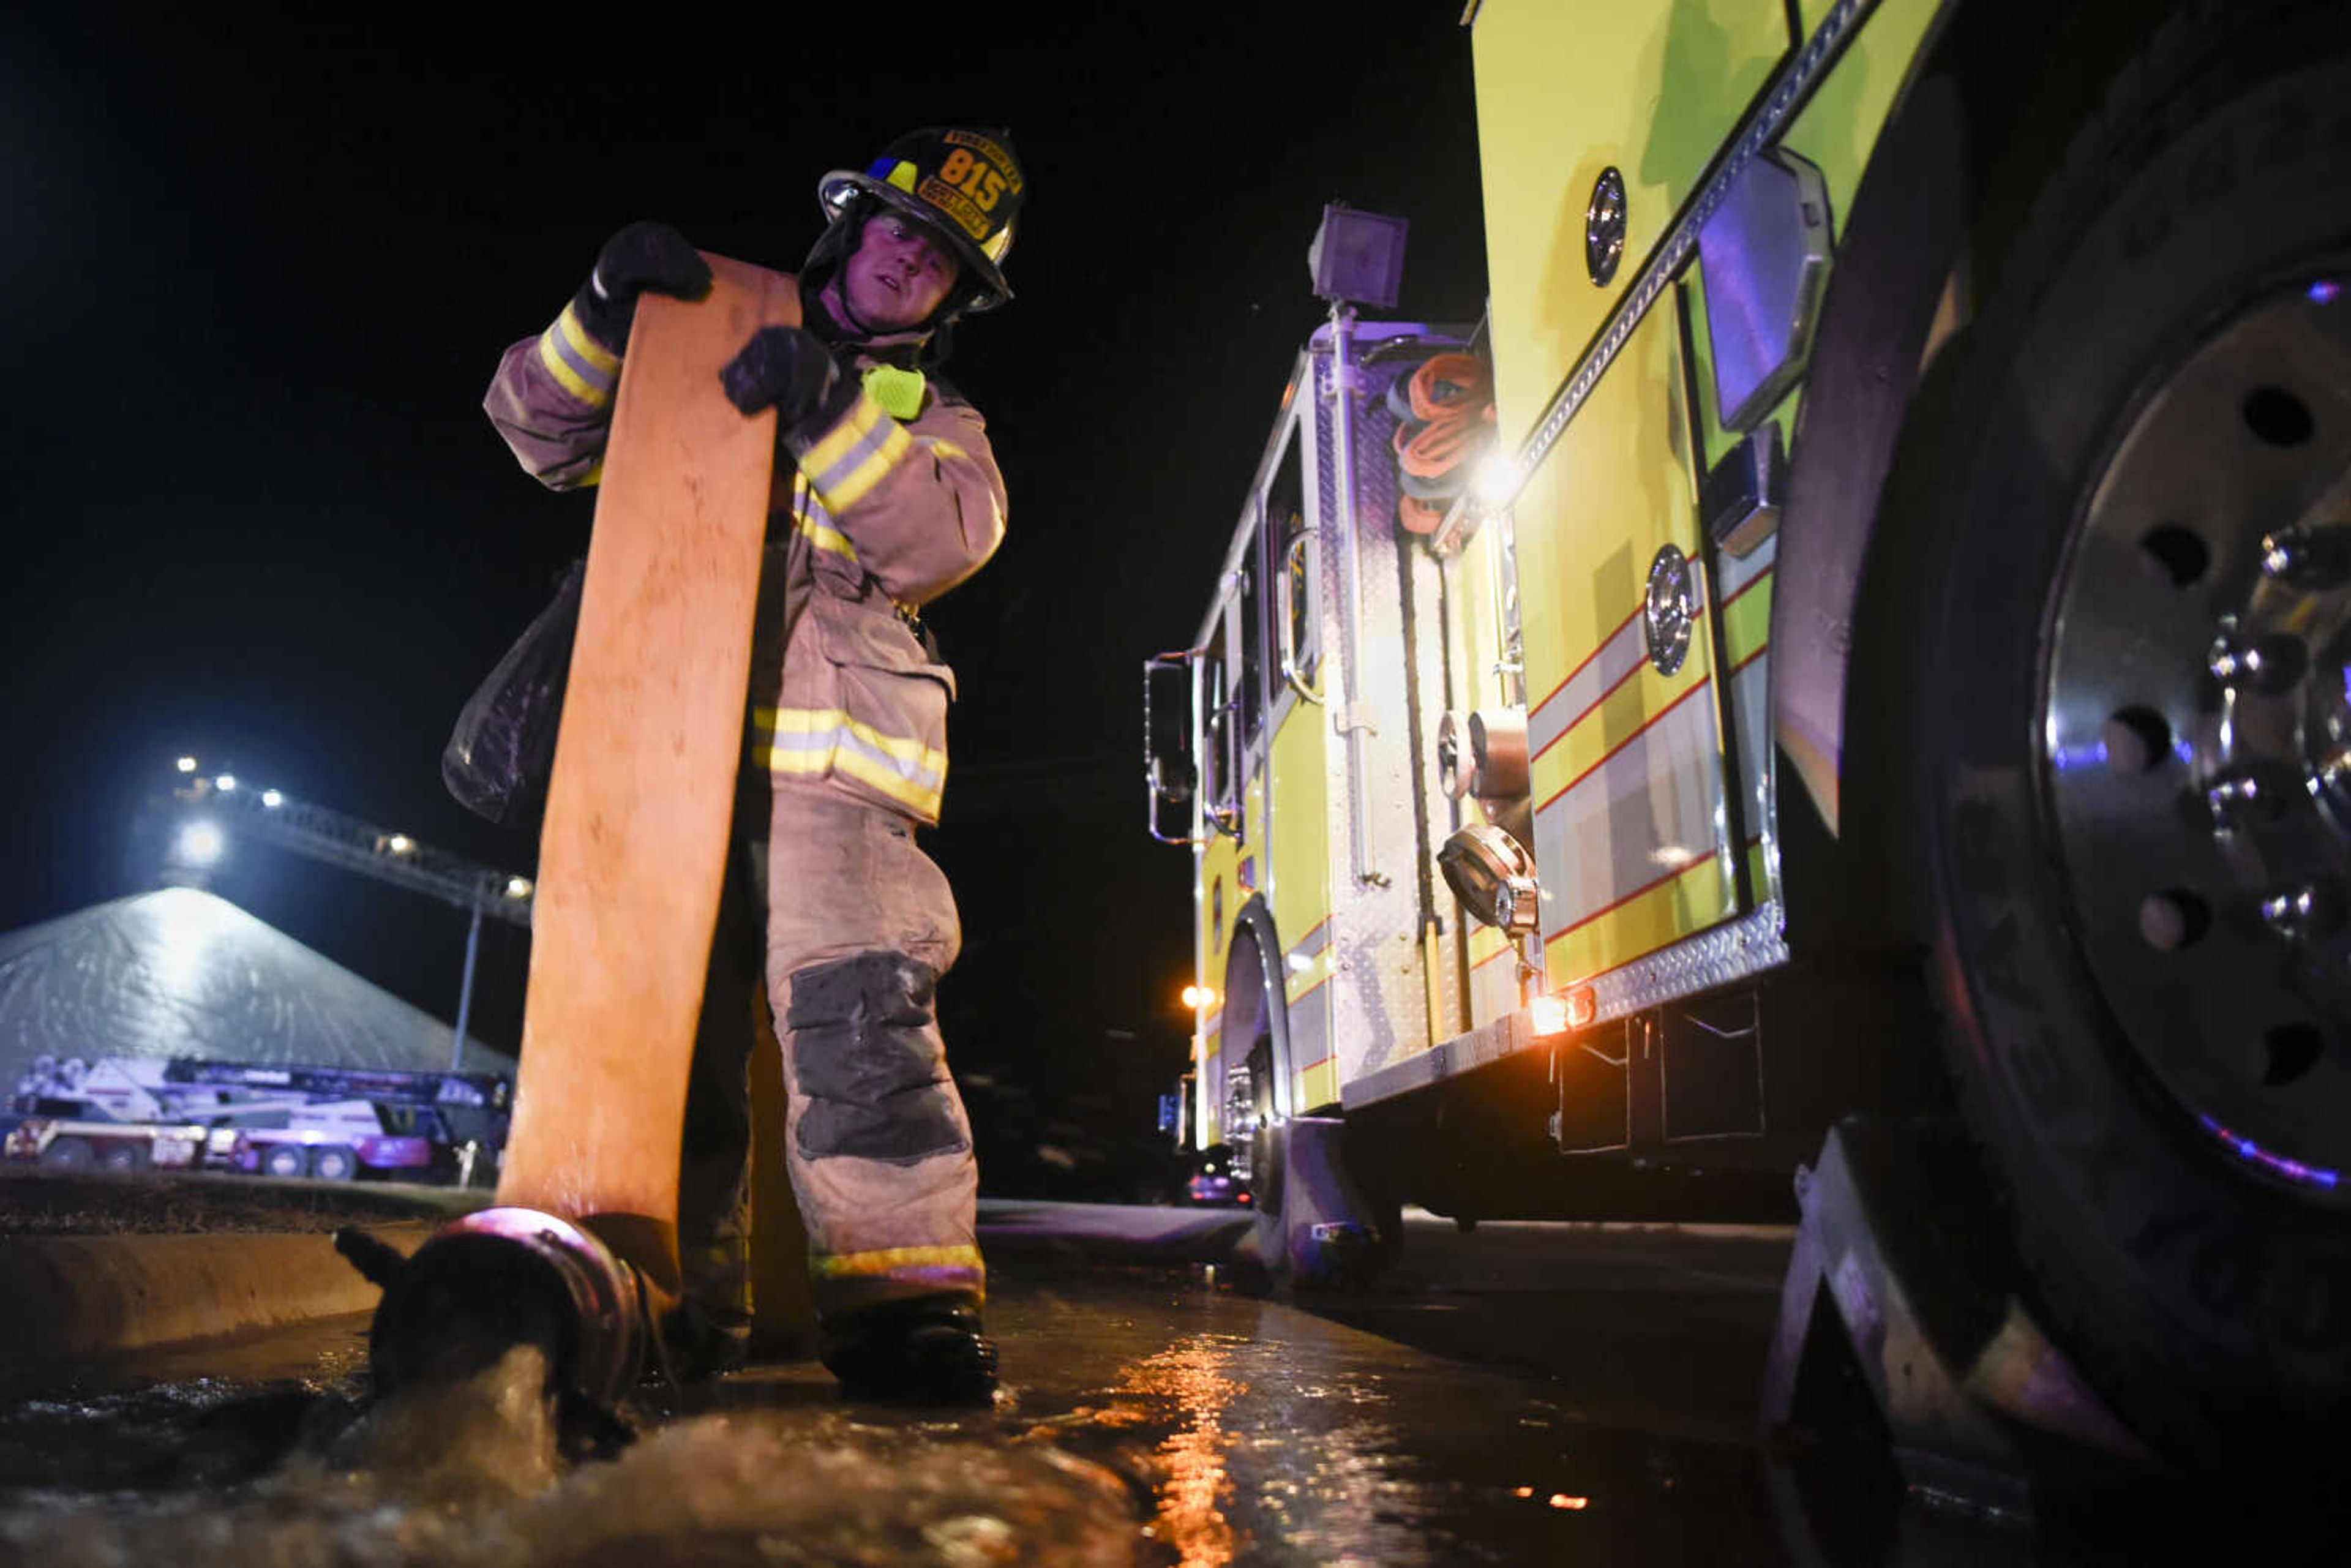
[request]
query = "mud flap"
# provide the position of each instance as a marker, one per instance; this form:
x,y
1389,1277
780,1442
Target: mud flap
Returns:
x,y
1315,1229
1902,1278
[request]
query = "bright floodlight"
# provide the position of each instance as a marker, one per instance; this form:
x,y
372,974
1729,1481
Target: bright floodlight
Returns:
x,y
1497,479
199,843
400,844
272,799
187,765
224,783
518,887
1357,255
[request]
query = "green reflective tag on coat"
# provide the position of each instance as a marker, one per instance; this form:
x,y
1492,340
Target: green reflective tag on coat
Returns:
x,y
899,392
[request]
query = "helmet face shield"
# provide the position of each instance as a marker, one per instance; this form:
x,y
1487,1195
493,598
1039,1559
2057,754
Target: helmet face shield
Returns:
x,y
967,185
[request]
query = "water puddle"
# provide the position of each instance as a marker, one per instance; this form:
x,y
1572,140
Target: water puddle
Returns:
x,y
1245,1460
1311,1466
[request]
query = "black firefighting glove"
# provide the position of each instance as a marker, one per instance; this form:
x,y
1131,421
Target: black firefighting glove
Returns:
x,y
790,370
648,254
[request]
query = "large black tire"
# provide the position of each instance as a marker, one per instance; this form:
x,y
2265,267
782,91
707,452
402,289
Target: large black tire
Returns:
x,y
2161,1077
69,1154
121,1154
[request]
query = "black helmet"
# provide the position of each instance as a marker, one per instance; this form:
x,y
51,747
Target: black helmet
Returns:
x,y
967,184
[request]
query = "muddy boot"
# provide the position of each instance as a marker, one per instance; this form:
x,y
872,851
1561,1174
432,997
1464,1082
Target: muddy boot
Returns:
x,y
929,1351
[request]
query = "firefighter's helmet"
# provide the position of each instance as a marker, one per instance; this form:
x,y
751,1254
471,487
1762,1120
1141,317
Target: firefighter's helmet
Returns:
x,y
967,184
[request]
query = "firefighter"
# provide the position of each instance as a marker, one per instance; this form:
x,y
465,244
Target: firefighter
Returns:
x,y
887,496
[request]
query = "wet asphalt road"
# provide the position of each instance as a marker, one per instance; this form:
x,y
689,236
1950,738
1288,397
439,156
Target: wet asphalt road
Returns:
x,y
1524,1395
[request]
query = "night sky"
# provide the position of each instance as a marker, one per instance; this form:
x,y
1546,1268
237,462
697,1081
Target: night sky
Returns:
x,y
259,280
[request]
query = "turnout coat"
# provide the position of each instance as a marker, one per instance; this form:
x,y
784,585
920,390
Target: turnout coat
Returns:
x,y
875,512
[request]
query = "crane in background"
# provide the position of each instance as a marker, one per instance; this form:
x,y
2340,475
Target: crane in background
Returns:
x,y
211,805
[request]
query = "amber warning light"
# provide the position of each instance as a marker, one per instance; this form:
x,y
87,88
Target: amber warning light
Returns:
x,y
1556,1013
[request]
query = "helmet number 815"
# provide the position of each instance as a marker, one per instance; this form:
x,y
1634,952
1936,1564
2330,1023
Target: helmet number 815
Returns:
x,y
974,177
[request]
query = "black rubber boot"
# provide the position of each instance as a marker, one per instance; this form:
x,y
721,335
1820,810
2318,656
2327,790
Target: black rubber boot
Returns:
x,y
702,1344
710,1332
924,1352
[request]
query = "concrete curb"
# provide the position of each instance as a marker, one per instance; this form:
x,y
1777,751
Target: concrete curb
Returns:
x,y
64,1297
69,1296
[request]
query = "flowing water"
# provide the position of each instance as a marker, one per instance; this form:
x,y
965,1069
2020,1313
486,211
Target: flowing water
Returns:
x,y
208,1476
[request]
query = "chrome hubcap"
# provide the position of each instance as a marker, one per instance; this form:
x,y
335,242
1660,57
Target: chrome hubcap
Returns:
x,y
2195,734
1240,1124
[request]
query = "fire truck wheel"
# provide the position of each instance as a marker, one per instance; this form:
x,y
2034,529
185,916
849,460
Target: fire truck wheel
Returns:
x,y
284,1160
336,1162
2133,740
123,1156
69,1154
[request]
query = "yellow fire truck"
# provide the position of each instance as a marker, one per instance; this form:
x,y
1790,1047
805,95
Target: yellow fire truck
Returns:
x,y
1897,635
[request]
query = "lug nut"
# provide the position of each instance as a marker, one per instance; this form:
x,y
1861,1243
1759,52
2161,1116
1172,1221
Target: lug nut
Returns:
x,y
2312,558
2244,795
2301,914
2266,665
2333,771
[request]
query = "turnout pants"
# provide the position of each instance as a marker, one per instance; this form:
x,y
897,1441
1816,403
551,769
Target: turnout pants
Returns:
x,y
860,925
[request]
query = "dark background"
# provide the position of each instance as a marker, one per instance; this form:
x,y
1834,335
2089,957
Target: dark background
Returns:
x,y
259,278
